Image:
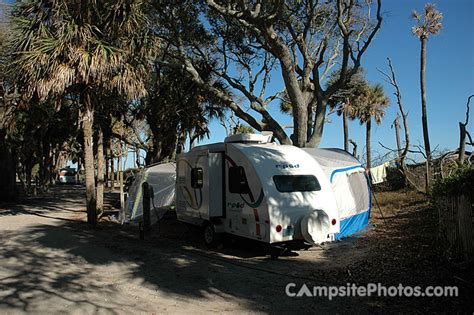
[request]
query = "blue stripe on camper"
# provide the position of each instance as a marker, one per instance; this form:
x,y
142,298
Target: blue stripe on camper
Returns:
x,y
357,222
343,170
353,224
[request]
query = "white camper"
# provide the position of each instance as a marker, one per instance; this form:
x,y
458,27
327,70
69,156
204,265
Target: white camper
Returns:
x,y
246,186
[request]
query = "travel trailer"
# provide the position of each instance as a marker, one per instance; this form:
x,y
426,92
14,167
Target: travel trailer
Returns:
x,y
277,194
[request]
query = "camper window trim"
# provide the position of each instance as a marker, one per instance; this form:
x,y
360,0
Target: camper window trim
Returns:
x,y
197,178
238,183
280,185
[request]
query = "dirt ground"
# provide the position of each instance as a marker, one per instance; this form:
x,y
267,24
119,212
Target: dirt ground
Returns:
x,y
51,262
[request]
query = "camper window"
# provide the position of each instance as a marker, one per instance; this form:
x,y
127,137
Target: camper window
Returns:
x,y
237,180
292,183
196,178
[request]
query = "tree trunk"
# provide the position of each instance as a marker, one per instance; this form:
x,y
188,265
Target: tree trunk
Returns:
x,y
40,183
424,118
403,153
87,117
78,174
28,171
462,143
354,149
100,170
106,166
345,126
180,142
7,170
45,164
137,157
367,142
319,120
120,178
300,109
112,173
309,131
192,138
396,125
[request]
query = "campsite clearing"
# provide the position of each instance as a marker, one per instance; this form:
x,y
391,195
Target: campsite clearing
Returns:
x,y
50,261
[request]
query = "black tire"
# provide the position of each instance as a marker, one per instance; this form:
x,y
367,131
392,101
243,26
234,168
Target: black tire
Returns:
x,y
211,238
275,252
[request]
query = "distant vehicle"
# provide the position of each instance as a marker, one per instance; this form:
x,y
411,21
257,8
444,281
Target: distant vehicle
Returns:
x,y
67,176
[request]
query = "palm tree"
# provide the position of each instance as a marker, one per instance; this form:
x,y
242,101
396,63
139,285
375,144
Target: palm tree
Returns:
x,y
82,47
7,95
430,25
348,99
375,101
179,109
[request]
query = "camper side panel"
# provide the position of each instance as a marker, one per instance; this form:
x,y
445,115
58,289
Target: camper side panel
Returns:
x,y
192,188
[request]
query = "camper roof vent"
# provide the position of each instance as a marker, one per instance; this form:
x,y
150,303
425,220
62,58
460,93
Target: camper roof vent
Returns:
x,y
246,138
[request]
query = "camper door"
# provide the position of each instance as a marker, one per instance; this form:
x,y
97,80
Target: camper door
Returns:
x,y
244,197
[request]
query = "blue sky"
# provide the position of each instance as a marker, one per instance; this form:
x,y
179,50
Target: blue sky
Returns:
x,y
450,77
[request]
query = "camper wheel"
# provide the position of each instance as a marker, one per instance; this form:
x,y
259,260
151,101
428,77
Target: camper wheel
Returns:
x,y
211,238
276,251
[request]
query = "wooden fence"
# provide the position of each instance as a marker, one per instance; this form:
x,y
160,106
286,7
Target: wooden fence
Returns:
x,y
456,226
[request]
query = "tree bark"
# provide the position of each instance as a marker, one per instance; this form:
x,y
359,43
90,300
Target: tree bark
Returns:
x,y
368,125
345,127
309,131
112,165
319,120
7,170
354,149
180,141
100,170
137,157
396,125
462,142
300,120
464,134
192,139
120,178
28,176
398,93
107,161
87,118
79,167
424,118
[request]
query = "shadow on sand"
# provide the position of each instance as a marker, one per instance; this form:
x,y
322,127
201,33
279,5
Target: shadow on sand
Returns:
x,y
108,269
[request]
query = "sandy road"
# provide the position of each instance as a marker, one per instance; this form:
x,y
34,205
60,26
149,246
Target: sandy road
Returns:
x,y
51,262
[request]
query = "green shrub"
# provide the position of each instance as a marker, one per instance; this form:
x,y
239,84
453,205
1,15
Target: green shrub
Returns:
x,y
460,182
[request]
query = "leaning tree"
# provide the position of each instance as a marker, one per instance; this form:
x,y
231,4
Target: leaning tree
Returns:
x,y
82,48
249,43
